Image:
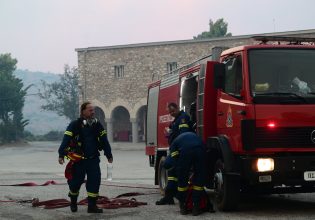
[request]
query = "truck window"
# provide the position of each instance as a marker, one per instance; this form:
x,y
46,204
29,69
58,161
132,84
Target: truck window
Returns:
x,y
188,95
283,76
233,76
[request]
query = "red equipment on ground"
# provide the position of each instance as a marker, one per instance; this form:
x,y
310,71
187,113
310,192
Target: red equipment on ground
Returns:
x,y
103,202
205,203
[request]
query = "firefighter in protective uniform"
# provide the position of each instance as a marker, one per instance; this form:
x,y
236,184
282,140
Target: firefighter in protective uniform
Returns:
x,y
186,152
179,125
90,137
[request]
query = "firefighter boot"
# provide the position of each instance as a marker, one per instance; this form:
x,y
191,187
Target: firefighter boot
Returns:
x,y
73,205
166,200
196,209
210,207
182,208
92,207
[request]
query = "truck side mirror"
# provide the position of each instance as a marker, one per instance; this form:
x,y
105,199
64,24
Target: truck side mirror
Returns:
x,y
219,75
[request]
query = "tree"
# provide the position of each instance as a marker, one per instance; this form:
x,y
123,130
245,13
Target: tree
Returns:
x,y
216,29
12,98
62,96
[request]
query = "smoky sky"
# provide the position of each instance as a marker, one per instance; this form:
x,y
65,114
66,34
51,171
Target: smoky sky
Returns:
x,y
43,34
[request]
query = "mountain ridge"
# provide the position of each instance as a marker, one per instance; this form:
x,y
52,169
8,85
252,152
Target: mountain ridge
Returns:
x,y
40,121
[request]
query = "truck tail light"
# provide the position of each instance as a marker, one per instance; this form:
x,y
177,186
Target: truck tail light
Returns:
x,y
265,164
271,124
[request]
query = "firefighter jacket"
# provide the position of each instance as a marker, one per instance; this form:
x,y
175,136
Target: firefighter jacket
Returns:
x,y
184,144
180,124
90,139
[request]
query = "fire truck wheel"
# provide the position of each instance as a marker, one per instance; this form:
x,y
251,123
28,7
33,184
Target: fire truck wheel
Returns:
x,y
162,175
226,190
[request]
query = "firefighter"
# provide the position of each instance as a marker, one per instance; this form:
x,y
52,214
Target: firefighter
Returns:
x,y
91,137
187,152
180,124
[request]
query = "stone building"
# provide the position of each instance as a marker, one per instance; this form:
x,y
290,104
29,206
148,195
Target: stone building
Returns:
x,y
115,78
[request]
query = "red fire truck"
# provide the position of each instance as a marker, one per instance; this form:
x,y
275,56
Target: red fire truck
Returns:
x,y
255,113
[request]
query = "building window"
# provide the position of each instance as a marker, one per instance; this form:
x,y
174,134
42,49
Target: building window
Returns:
x,y
171,66
119,71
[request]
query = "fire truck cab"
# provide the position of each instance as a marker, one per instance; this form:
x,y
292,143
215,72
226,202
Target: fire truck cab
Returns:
x,y
254,111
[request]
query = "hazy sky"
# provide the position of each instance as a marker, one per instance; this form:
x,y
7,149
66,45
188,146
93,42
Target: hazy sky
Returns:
x,y
43,34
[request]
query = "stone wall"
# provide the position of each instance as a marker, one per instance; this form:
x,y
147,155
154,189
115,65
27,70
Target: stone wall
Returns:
x,y
142,65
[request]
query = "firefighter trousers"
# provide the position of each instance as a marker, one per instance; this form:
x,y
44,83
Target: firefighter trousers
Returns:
x,y
192,159
171,187
91,168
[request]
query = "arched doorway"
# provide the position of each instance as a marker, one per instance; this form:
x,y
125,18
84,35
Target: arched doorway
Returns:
x,y
100,115
141,121
121,124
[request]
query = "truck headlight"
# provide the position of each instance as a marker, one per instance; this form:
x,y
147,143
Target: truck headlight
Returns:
x,y
265,164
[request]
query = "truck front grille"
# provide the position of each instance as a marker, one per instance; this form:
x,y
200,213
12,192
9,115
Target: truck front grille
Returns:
x,y
284,137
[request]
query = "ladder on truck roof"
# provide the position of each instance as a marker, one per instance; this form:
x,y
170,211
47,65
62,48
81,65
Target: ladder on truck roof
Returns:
x,y
183,68
289,40
214,56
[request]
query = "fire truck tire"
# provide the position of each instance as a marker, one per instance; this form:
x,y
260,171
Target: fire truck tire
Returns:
x,y
162,175
227,191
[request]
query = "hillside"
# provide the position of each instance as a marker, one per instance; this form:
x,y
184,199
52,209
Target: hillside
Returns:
x,y
41,121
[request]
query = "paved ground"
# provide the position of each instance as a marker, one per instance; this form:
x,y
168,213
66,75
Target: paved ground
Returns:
x,y
37,162
39,158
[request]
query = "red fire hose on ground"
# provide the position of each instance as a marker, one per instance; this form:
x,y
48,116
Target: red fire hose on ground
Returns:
x,y
102,202
49,182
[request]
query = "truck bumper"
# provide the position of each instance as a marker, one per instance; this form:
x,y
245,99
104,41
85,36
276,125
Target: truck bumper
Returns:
x,y
291,174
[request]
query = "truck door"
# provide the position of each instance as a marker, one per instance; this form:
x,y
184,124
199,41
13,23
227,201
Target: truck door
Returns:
x,y
151,123
230,102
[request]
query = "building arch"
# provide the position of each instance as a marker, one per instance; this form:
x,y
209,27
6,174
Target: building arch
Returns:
x,y
121,124
137,106
115,104
100,115
101,105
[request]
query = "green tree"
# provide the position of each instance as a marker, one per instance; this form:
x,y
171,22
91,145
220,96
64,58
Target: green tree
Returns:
x,y
216,29
27,135
12,98
62,96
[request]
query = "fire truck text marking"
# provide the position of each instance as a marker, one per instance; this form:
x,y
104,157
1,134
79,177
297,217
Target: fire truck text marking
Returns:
x,y
165,118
